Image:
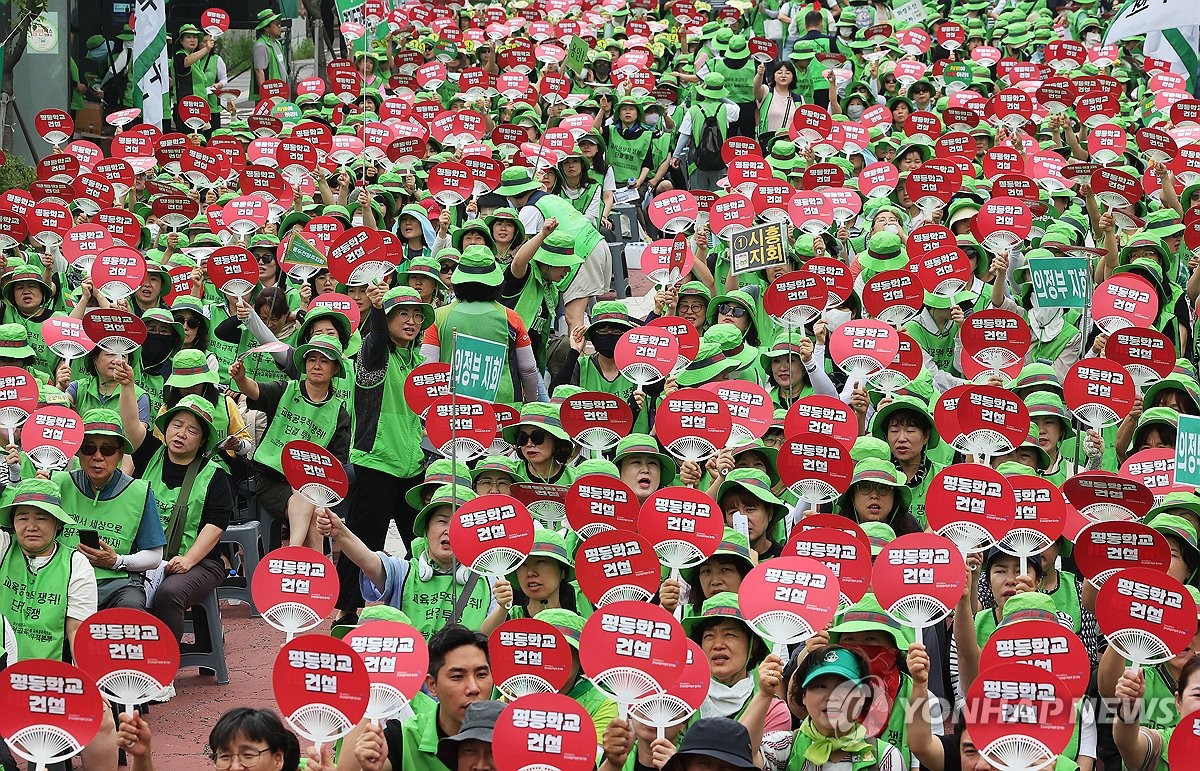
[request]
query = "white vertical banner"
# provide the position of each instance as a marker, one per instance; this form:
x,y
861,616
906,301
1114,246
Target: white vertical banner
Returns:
x,y
1138,16
151,66
1180,47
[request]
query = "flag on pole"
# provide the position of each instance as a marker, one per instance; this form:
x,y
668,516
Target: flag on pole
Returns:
x,y
1137,17
1179,47
151,67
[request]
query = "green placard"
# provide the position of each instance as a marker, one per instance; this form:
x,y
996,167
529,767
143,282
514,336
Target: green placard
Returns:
x,y
1060,282
300,252
577,55
478,367
758,248
1187,451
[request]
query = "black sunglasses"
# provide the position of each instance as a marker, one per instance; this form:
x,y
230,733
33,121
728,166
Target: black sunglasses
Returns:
x,y
107,450
266,259
190,321
731,309
537,436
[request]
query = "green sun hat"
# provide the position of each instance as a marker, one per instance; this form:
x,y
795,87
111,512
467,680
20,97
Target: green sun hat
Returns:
x,y
477,226
1029,606
1174,381
326,345
734,545
1155,416
1179,499
514,181
14,342
786,343
757,484
202,409
189,29
1037,375
905,402
558,250
1164,223
543,415
105,422
713,86
644,444
695,289
885,251
868,446
41,494
881,472
478,266
371,613
568,623
1182,531
1031,441
190,368
719,607
549,544
403,296
496,464
440,472
1047,404
427,267
737,296
1144,241
880,534
265,17
27,273
446,495
710,362
867,615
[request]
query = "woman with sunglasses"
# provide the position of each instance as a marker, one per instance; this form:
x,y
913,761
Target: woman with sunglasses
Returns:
x,y
264,248
192,316
542,444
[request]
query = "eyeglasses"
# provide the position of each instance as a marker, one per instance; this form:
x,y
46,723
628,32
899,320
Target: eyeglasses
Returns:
x,y
107,450
249,758
730,309
537,436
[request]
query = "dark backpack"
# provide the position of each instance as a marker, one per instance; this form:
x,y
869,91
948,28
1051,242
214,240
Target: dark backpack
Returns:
x,y
708,149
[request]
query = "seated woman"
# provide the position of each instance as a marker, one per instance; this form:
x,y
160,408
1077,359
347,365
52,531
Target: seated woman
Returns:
x,y
543,581
195,502
877,493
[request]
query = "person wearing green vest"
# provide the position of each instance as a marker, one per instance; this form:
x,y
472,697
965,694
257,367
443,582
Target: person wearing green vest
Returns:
x,y
121,510
573,241
152,360
545,580
823,742
298,409
1138,732
598,371
15,351
194,72
192,375
739,71
573,183
102,385
906,424
386,456
29,301
792,364
194,500
602,709
268,57
628,149
532,282
430,585
50,590
476,312
1006,580
544,449
459,676
712,102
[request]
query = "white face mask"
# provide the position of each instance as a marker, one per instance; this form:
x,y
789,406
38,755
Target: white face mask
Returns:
x,y
836,317
650,119
855,111
890,228
154,230
1091,39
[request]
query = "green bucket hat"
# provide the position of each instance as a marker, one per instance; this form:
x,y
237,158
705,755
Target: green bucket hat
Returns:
x,y
558,250
880,534
190,368
549,544
870,447
105,422
543,415
1174,381
514,181
644,444
885,251
41,494
440,471
568,623
1180,499
755,483
1047,404
371,613
402,296
713,87
1155,416
734,545
202,409
1029,606
493,464
478,266
14,342
190,29
27,273
719,607
446,495
266,17
710,362
867,615
426,267
1182,531
326,345
880,472
905,402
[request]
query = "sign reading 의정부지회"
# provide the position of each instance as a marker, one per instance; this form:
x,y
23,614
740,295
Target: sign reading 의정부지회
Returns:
x,y
478,367
1059,282
1187,451
758,248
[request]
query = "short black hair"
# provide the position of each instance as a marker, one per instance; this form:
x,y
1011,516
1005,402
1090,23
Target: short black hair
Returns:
x,y
474,292
813,19
449,638
257,725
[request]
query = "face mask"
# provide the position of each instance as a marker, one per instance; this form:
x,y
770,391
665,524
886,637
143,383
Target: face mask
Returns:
x,y
650,120
837,317
892,229
855,111
157,348
1091,39
845,34
154,230
605,345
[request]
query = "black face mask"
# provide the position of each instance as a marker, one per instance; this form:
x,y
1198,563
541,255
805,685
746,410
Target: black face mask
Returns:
x,y
156,349
605,344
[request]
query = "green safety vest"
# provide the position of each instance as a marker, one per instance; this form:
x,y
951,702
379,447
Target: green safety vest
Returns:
x,y
626,155
225,352
698,114
739,81
166,497
571,223
88,397
602,709
917,508
394,451
896,731
46,358
782,402
765,108
204,75
275,64
297,418
583,201
37,602
419,752
116,520
487,321
430,603
1066,601
1051,350
261,367
152,385
940,347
